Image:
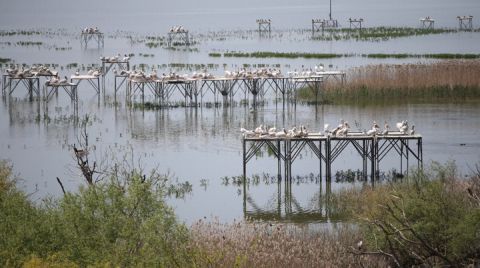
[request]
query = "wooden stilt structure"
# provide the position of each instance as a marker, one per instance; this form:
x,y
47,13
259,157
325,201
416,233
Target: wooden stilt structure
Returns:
x,y
327,149
427,23
465,23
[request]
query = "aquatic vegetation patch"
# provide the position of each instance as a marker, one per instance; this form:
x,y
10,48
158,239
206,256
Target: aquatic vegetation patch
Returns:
x,y
288,55
29,43
376,33
5,60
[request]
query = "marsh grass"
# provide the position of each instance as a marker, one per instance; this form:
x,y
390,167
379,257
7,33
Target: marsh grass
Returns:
x,y
296,55
243,244
449,80
288,55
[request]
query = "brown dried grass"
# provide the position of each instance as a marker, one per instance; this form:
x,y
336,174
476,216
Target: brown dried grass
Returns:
x,y
243,244
452,79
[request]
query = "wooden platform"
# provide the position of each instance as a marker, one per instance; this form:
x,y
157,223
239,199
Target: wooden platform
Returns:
x,y
194,88
328,148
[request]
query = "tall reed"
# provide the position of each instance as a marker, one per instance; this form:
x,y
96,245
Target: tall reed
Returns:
x,y
449,80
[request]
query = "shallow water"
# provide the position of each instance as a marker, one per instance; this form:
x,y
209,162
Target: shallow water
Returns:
x,y
203,145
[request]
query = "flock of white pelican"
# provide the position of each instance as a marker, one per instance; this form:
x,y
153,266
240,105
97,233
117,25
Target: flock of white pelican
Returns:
x,y
317,70
91,30
255,73
341,130
178,29
140,76
264,21
57,81
242,73
34,71
117,58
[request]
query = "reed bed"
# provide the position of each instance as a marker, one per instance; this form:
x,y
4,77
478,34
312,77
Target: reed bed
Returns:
x,y
288,55
296,55
243,244
449,80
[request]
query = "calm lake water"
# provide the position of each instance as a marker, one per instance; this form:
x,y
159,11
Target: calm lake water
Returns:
x,y
203,146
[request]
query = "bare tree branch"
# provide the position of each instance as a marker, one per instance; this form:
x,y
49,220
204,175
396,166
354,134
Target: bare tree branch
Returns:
x,y
61,185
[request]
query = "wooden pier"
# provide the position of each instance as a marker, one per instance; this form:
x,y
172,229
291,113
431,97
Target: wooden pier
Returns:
x,y
96,37
427,23
355,23
50,89
109,63
318,25
194,89
371,149
93,80
178,36
465,23
264,26
32,84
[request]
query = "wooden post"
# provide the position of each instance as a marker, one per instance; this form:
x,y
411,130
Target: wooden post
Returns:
x,y
320,159
244,160
279,160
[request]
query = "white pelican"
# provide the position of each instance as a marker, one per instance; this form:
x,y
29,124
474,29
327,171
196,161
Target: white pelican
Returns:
x,y
126,58
412,131
385,130
340,126
63,81
404,128
371,132
281,134
292,132
325,128
344,130
259,130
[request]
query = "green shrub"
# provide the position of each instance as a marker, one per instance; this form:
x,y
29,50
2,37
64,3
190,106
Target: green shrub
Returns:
x,y
123,221
432,219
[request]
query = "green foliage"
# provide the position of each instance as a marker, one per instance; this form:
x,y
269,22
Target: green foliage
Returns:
x,y
377,33
18,218
5,60
123,221
288,55
431,219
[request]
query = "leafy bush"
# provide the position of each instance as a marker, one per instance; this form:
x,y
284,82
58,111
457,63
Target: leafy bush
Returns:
x,y
123,221
433,219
